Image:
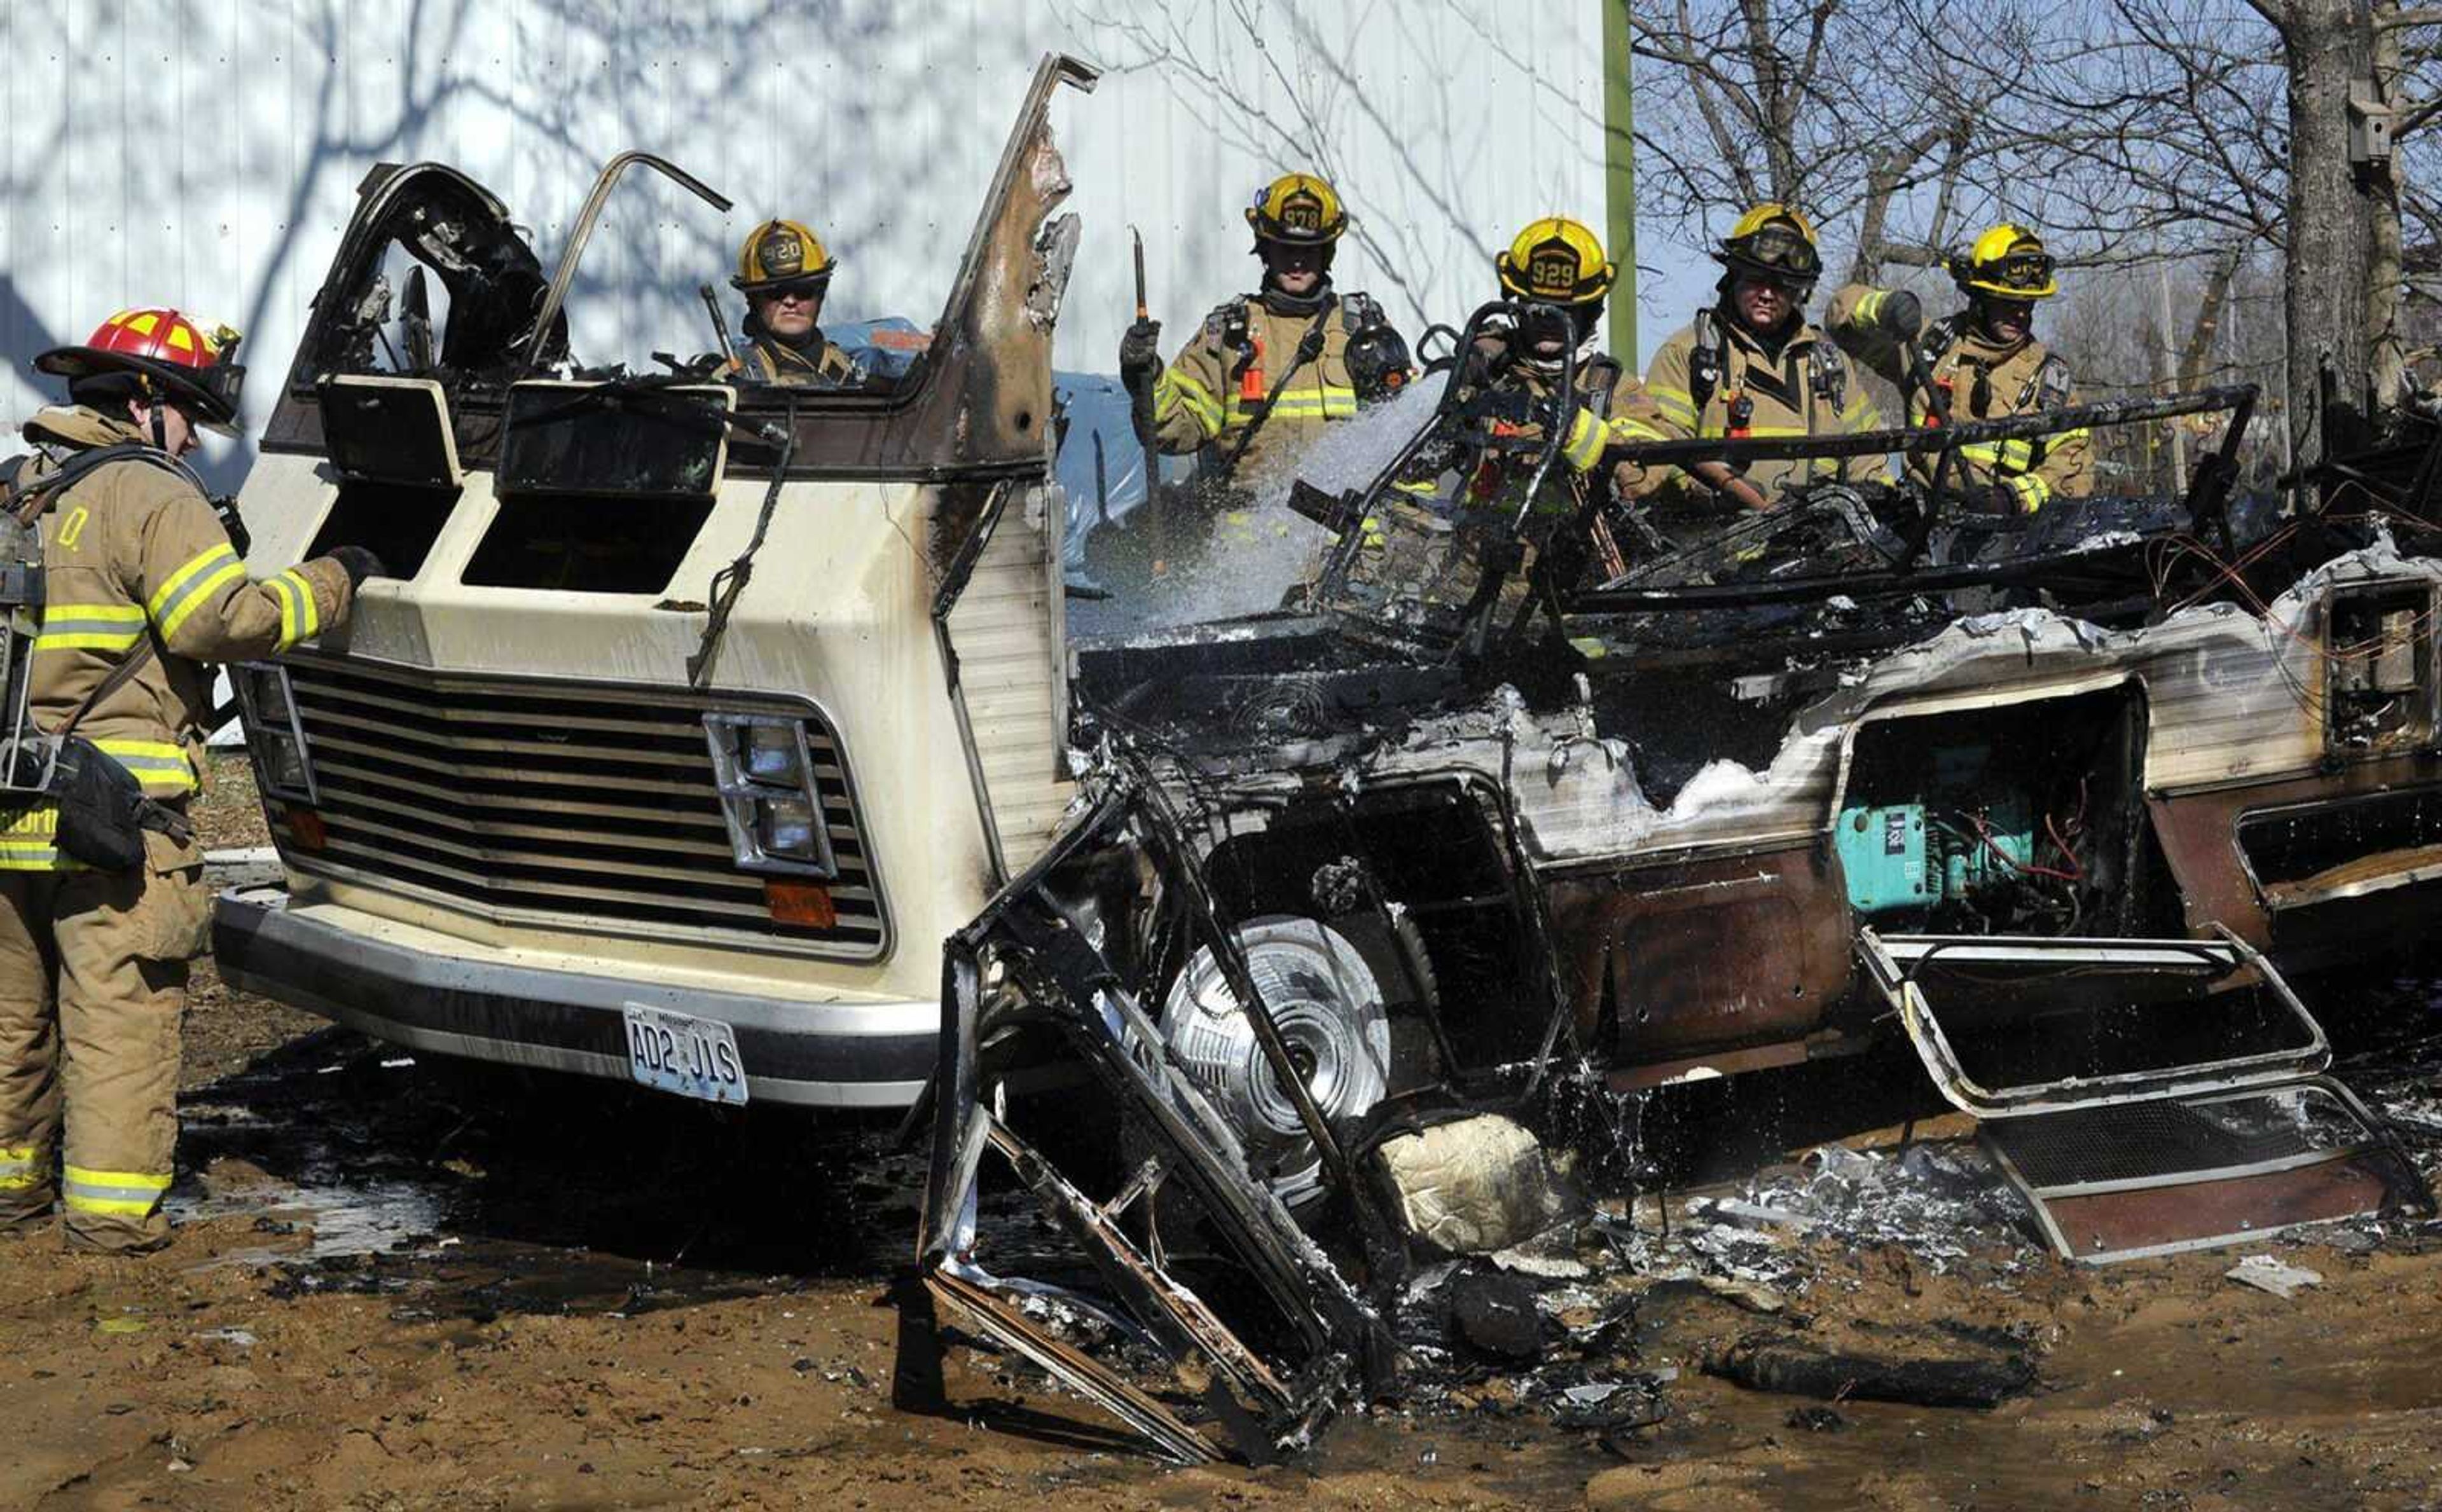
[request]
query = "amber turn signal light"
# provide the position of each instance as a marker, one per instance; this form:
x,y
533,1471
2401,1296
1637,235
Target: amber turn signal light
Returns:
x,y
799,903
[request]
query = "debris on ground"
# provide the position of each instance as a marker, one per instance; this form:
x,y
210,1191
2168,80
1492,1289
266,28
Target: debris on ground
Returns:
x,y
1494,1313
1473,1185
1793,1367
2265,1273
1817,1419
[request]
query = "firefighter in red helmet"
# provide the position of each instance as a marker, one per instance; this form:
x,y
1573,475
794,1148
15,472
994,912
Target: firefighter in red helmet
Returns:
x,y
103,906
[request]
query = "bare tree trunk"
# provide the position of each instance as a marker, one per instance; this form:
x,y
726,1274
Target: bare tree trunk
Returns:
x,y
2387,362
2326,43
1881,182
1886,173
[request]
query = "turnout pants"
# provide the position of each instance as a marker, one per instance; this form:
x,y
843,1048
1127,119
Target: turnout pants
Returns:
x,y
93,983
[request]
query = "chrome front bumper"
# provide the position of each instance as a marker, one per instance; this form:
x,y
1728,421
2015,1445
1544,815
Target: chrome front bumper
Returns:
x,y
815,1054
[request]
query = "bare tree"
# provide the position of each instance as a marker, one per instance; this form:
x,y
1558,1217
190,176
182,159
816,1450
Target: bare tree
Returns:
x,y
2128,130
1796,101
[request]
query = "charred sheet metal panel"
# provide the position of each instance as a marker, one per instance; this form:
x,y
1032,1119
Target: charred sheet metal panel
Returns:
x,y
1701,955
2150,1179
2231,698
2243,855
1006,628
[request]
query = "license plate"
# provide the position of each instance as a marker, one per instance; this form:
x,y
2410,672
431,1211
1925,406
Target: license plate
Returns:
x,y
679,1052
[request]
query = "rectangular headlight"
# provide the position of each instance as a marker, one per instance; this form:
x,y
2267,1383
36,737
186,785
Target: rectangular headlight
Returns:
x,y
275,737
764,770
785,826
773,753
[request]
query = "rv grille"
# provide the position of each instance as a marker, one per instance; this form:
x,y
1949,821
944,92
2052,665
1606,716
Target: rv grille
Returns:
x,y
585,805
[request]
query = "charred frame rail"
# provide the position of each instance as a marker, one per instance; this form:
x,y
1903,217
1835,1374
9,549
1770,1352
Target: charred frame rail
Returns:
x,y
2207,498
2206,492
1072,987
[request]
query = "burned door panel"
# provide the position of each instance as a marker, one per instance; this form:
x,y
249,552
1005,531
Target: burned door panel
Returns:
x,y
2124,1182
1706,954
2310,866
2166,1096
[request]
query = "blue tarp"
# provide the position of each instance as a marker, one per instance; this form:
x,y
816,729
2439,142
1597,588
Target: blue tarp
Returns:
x,y
886,348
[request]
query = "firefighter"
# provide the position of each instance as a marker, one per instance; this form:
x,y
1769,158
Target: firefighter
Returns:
x,y
1983,363
1556,271
1751,365
139,574
784,273
1474,476
1269,371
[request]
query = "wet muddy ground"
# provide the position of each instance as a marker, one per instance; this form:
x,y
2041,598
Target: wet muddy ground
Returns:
x,y
401,1285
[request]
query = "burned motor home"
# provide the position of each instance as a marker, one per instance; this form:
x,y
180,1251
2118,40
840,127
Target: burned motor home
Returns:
x,y
699,711
1375,906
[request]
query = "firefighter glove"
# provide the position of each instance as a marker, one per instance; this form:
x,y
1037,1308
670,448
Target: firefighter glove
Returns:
x,y
1902,314
1140,355
358,564
1988,498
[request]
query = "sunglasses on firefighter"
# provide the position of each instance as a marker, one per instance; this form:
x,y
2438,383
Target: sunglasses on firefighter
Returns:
x,y
805,291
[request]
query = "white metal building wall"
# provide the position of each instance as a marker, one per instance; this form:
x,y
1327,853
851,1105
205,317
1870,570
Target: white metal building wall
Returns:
x,y
204,153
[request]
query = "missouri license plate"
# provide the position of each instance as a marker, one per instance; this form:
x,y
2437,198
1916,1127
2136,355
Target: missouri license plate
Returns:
x,y
679,1052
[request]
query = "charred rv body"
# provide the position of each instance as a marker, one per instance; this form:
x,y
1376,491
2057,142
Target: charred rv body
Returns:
x,y
1496,864
585,790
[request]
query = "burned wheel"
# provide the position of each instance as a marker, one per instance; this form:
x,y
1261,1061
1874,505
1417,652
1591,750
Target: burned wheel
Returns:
x,y
1330,1012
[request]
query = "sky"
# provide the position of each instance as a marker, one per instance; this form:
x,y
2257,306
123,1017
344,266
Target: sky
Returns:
x,y
1672,282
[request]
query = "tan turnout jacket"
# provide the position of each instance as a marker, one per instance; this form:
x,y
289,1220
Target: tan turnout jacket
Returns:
x,y
133,550
1805,391
1986,382
763,360
1213,390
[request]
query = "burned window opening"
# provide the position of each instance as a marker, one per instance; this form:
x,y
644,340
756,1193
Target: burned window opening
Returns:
x,y
587,545
2335,851
449,223
603,488
2020,819
395,458
2380,692
398,522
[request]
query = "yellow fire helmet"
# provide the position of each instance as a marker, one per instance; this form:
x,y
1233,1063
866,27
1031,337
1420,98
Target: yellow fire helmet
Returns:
x,y
781,252
1774,240
1300,208
2008,262
1556,260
